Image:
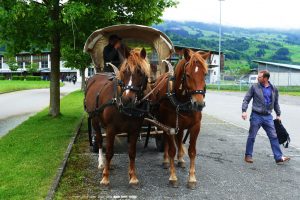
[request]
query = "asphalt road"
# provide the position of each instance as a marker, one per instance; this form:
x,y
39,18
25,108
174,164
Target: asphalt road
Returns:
x,y
16,107
228,107
220,169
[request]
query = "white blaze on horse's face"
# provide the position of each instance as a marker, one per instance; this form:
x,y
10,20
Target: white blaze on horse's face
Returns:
x,y
196,69
129,84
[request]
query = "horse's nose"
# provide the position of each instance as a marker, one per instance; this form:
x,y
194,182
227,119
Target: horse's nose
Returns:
x,y
198,105
128,100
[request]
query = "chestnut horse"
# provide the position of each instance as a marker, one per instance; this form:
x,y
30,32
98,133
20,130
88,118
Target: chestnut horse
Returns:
x,y
178,101
115,105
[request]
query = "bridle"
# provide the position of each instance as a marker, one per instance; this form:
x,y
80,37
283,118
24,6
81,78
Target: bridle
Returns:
x,y
183,81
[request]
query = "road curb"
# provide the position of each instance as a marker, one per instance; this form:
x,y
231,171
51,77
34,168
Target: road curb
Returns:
x,y
61,169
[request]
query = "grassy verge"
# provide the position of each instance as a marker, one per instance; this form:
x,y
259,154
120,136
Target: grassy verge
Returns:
x,y
10,86
283,90
77,172
31,153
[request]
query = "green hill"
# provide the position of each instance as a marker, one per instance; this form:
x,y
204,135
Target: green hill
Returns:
x,y
240,45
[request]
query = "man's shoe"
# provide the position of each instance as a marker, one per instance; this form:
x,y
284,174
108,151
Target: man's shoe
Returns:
x,y
282,160
248,159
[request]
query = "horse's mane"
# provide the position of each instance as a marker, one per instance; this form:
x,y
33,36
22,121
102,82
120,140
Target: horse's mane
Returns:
x,y
133,61
195,56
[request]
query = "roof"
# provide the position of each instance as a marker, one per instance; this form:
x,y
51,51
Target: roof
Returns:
x,y
278,64
99,39
196,49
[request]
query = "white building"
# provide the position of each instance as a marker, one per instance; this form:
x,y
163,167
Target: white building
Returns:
x,y
281,74
42,59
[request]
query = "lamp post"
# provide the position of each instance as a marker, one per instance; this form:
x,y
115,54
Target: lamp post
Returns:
x,y
220,36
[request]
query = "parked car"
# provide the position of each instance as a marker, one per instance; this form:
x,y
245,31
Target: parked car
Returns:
x,y
242,82
253,79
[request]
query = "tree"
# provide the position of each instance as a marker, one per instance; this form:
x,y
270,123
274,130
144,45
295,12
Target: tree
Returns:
x,y
12,64
32,68
36,25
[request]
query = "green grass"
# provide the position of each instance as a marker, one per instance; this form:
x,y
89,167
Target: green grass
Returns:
x,y
31,153
10,86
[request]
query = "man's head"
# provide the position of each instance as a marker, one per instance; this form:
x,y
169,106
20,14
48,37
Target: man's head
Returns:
x,y
263,76
113,39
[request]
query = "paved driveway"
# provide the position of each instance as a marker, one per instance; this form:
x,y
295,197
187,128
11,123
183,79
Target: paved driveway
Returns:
x,y
16,107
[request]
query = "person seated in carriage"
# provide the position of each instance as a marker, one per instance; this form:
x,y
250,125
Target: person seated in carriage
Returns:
x,y
112,53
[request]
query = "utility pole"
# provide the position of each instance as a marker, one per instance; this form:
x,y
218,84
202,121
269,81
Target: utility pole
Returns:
x,y
220,37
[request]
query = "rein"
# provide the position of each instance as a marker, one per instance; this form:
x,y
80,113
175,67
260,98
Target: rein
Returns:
x,y
117,101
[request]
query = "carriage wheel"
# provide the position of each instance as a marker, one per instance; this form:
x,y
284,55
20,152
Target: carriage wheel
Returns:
x,y
95,148
160,142
92,137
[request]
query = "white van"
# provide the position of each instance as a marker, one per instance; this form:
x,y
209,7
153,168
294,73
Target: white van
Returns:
x,y
253,79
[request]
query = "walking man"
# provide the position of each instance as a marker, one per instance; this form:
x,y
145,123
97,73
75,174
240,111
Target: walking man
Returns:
x,y
265,99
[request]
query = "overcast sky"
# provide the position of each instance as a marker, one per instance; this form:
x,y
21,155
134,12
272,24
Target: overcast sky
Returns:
x,y
283,14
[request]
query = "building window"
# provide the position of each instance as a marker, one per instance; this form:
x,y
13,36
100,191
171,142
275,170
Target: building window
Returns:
x,y
44,64
0,62
20,64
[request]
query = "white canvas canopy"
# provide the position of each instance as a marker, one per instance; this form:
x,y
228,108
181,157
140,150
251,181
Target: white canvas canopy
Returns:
x,y
99,39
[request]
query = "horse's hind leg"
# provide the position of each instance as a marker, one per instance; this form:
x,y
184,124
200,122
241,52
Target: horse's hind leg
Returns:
x,y
99,141
132,154
110,138
180,154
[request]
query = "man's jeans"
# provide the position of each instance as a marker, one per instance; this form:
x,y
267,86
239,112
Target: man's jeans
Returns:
x,y
266,121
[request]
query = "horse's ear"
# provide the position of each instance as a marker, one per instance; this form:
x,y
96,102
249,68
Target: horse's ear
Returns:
x,y
126,52
205,56
143,53
186,54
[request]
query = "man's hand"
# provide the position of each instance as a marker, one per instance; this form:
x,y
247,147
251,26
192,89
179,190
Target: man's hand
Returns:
x,y
244,115
278,117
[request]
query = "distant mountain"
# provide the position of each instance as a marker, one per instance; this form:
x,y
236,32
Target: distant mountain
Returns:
x,y
240,45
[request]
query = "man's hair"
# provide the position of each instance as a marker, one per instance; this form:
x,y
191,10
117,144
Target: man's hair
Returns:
x,y
113,39
266,73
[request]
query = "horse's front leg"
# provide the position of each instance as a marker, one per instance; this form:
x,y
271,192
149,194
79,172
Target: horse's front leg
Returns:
x,y
132,154
194,131
180,154
166,162
110,137
99,141
172,152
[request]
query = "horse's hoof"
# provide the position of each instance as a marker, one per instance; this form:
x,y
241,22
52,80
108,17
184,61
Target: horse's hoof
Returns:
x,y
101,167
192,185
134,186
173,183
166,165
104,182
181,164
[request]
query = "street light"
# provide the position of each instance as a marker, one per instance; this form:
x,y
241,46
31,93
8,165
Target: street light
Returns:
x,y
220,35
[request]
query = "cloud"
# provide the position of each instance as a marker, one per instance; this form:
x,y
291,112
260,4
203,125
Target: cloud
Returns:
x,y
242,13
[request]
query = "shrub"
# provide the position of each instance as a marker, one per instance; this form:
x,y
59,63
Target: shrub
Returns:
x,y
18,77
33,78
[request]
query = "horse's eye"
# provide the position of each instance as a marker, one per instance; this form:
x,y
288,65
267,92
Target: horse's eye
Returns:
x,y
188,76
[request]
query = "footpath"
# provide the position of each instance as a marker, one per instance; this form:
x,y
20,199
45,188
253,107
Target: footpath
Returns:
x,y
16,107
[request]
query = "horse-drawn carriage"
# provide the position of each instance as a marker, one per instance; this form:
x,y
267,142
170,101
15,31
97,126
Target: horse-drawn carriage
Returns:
x,y
159,48
120,102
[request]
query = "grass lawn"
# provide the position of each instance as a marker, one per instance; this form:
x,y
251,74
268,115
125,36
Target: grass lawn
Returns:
x,y
31,153
10,86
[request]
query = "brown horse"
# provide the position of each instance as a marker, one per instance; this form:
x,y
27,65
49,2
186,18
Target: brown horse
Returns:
x,y
178,101
115,105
